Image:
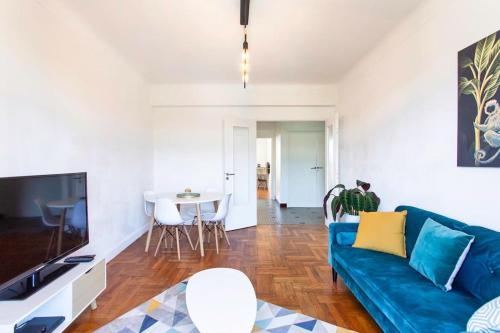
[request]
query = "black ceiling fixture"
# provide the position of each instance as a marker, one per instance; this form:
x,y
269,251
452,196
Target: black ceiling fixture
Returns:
x,y
244,13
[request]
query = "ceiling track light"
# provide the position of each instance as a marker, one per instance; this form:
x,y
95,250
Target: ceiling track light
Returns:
x,y
244,13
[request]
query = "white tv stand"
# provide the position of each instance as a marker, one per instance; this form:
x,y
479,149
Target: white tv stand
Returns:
x,y
66,296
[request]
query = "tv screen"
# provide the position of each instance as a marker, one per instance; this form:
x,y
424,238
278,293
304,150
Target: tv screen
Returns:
x,y
42,219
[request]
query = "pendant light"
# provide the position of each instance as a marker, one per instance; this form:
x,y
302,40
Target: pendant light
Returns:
x,y
244,13
244,60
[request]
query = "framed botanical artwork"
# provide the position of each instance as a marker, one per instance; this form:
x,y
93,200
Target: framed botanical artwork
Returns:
x,y
478,103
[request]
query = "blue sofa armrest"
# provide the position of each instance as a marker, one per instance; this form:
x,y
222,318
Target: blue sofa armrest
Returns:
x,y
340,234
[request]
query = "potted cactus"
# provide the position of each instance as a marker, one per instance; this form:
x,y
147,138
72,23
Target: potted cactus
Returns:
x,y
347,203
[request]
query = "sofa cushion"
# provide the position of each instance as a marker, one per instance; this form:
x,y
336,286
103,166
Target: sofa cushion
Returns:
x,y
415,219
480,272
439,253
345,238
486,318
410,301
382,231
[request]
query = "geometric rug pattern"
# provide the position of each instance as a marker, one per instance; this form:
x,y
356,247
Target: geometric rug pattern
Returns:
x,y
167,313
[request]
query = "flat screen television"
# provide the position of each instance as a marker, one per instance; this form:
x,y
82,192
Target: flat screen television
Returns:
x,y
42,219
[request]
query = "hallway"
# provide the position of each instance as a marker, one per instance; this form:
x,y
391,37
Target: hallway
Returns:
x,y
270,212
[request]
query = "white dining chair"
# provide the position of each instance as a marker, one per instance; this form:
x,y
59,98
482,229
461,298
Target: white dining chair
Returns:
x,y
189,211
215,222
149,206
49,220
78,220
170,220
205,208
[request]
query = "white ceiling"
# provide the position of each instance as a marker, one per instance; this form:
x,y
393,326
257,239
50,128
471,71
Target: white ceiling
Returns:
x,y
199,41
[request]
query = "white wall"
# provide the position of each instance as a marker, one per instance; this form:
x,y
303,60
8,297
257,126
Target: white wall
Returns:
x,y
266,129
69,103
264,151
188,125
235,95
398,110
188,141
277,183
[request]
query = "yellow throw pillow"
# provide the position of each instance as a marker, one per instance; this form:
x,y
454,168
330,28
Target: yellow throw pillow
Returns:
x,y
382,231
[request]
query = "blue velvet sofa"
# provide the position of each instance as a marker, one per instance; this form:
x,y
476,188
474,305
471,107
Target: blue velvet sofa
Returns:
x,y
402,300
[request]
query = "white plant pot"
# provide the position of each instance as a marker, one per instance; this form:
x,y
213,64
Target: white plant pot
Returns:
x,y
351,218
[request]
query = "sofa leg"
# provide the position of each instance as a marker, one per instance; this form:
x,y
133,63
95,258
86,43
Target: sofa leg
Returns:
x,y
334,275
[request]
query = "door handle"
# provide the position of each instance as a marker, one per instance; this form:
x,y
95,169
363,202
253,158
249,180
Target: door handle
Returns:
x,y
229,174
314,168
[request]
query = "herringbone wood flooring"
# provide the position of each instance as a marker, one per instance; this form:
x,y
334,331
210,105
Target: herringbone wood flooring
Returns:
x,y
286,264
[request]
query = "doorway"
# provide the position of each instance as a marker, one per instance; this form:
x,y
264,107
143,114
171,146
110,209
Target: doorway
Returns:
x,y
264,160
306,168
290,172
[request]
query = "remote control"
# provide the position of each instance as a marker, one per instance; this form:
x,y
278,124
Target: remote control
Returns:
x,y
77,259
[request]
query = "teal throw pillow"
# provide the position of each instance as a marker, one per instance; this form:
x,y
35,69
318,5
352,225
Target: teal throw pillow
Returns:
x,y
439,253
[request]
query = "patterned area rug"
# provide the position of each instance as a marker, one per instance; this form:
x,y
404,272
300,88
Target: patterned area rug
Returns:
x,y
167,313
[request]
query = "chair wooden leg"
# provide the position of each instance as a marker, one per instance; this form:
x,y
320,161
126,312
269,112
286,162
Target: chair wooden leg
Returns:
x,y
161,238
168,233
188,237
203,226
50,243
177,239
225,233
216,238
193,224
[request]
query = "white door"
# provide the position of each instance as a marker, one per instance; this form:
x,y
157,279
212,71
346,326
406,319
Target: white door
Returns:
x,y
332,144
240,172
306,169
332,160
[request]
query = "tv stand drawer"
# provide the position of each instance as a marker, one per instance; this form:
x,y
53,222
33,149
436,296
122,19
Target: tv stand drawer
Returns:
x,y
87,287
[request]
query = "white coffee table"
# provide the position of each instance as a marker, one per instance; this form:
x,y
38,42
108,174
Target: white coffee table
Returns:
x,y
221,300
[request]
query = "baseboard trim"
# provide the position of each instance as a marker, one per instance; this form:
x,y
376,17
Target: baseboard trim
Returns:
x,y
126,242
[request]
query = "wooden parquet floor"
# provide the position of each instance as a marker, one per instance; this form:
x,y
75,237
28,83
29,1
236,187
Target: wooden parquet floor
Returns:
x,y
263,193
286,264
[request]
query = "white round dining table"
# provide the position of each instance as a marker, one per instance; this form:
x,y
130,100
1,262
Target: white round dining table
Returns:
x,y
204,197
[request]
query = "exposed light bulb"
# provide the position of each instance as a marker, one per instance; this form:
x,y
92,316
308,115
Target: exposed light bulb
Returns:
x,y
244,63
245,55
244,60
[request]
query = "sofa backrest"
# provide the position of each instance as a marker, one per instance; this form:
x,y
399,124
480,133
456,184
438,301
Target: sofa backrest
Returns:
x,y
480,272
